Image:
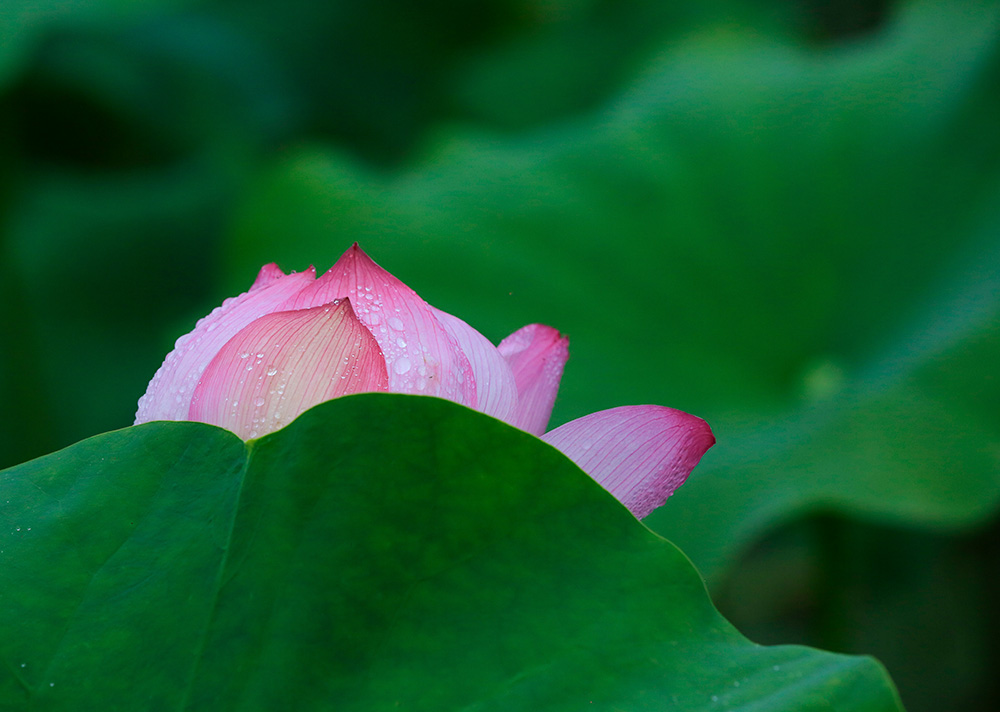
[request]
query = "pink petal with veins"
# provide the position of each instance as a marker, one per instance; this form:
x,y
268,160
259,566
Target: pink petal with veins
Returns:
x,y
421,356
268,273
496,389
536,354
640,454
168,396
284,363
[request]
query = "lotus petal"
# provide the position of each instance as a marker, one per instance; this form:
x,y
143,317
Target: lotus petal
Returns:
x,y
640,454
536,354
168,396
420,354
496,389
284,363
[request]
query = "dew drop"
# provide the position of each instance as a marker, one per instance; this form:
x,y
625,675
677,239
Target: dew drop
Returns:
x,y
396,323
244,354
271,370
401,366
401,342
259,401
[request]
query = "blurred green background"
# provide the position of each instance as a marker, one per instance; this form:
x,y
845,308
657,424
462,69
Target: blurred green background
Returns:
x,y
781,215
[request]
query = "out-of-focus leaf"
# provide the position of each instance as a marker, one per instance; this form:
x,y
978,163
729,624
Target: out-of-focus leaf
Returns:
x,y
124,144
22,22
381,551
573,56
772,238
84,333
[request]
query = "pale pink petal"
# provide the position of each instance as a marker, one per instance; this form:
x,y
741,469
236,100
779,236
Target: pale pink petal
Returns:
x,y
640,454
168,396
422,357
284,363
536,354
268,273
496,390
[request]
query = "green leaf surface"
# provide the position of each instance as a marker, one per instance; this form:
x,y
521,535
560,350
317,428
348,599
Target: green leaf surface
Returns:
x,y
793,244
382,551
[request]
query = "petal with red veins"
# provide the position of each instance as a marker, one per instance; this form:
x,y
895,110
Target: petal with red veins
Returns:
x,y
284,363
536,354
496,389
421,356
640,454
168,396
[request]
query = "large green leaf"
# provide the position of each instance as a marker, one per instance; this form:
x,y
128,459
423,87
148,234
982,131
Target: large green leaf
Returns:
x,y
382,551
788,243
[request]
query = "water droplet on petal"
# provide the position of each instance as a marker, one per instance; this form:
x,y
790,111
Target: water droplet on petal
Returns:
x,y
401,342
258,401
401,366
396,323
271,370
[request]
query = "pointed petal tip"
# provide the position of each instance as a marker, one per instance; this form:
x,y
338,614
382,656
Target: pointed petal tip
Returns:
x,y
537,355
284,363
640,454
267,274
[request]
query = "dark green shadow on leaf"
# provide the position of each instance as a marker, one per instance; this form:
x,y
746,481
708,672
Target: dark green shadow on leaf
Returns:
x,y
382,551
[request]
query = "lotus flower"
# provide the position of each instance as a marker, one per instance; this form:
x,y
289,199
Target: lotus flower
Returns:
x,y
293,341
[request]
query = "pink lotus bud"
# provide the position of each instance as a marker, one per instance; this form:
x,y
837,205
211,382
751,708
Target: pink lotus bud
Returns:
x,y
294,340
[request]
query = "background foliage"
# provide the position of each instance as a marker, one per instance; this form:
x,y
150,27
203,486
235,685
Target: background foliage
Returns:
x,y
781,215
